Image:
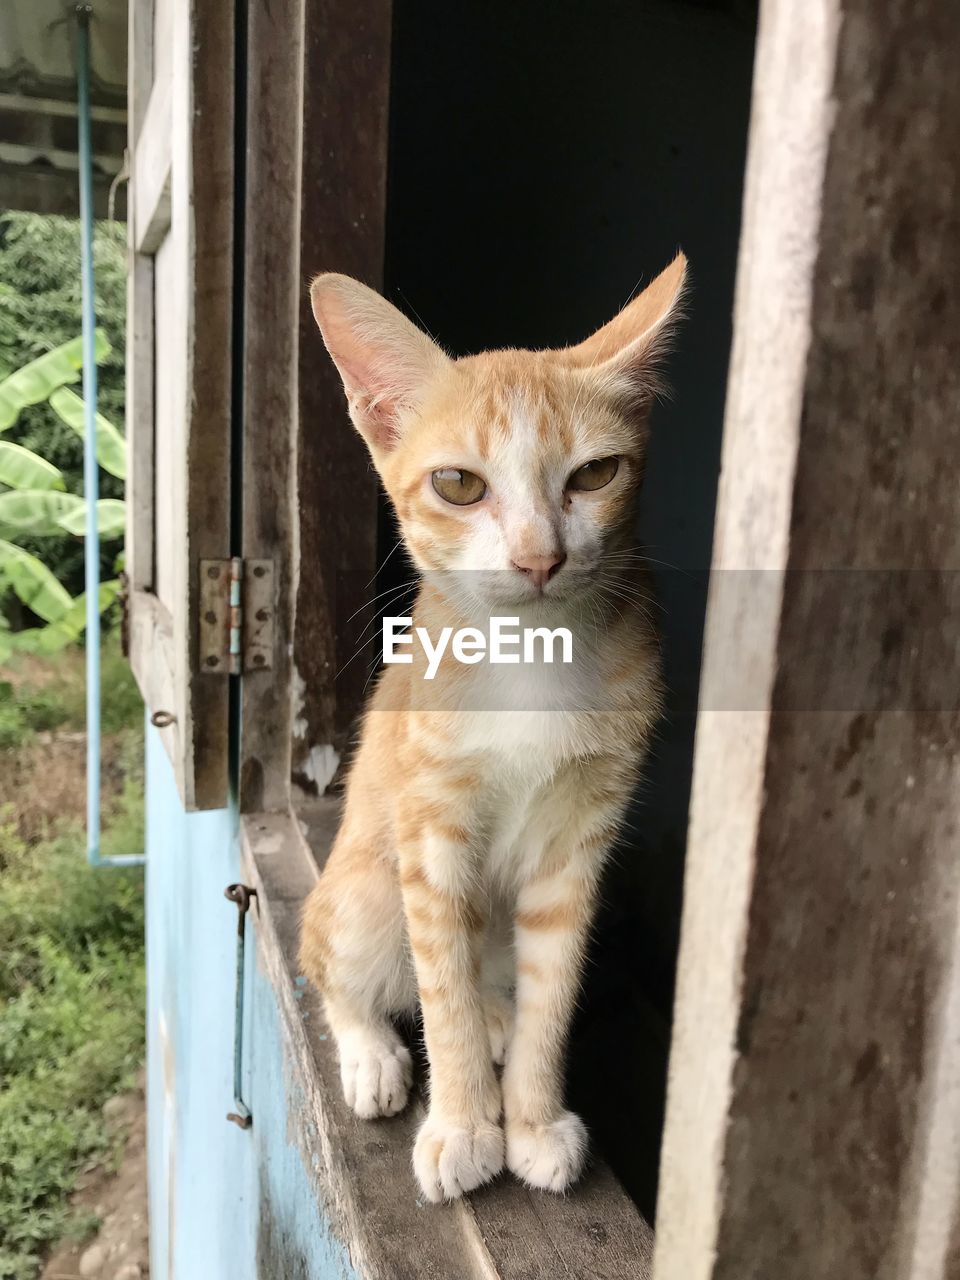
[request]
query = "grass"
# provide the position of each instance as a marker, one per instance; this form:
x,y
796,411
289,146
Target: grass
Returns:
x,y
72,981
39,695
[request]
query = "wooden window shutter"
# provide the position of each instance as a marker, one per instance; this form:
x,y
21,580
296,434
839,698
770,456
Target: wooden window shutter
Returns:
x,y
179,340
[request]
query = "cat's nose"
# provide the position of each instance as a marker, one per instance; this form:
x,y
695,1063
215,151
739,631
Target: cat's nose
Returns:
x,y
540,569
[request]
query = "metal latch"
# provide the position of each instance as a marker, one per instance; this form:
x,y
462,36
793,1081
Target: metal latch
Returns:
x,y
236,616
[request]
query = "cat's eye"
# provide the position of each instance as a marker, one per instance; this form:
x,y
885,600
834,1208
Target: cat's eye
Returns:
x,y
594,475
462,488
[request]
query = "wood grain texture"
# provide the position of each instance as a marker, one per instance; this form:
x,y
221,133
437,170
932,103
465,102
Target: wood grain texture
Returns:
x,y
181,402
819,961
272,289
346,74
210,363
151,171
138,544
152,643
363,1172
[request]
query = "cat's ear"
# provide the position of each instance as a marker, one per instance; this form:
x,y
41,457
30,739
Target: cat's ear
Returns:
x,y
634,342
385,361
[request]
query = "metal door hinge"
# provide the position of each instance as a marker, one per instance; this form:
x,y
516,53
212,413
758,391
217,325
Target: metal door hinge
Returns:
x,y
236,616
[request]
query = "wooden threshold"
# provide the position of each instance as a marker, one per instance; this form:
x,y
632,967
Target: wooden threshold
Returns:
x,y
365,1183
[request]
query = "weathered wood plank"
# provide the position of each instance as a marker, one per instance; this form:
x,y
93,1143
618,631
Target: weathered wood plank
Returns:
x,y
182,358
812,1108
152,163
151,644
366,1181
272,292
138,545
210,58
346,74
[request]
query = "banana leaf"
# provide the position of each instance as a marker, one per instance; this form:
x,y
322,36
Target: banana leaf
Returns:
x,y
41,513
33,583
36,381
111,446
66,630
111,518
21,468
35,512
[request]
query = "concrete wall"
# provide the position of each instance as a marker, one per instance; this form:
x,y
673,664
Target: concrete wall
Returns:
x,y
223,1202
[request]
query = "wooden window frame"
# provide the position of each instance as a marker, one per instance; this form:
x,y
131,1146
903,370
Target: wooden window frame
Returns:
x,y
196,130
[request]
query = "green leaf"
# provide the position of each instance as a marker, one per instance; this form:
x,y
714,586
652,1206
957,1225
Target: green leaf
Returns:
x,y
111,518
23,469
111,446
36,511
33,583
36,381
66,630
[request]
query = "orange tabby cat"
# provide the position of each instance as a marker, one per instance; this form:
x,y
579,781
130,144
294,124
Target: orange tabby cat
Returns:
x,y
481,805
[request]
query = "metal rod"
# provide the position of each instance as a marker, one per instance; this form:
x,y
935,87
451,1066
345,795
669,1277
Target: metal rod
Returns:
x,y
91,546
241,895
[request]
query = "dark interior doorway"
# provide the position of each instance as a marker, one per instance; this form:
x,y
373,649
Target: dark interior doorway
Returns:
x,y
545,160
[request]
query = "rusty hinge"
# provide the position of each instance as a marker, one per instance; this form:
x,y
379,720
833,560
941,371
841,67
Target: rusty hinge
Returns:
x,y
236,616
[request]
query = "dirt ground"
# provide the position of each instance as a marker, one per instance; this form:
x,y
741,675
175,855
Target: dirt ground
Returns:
x,y
120,1248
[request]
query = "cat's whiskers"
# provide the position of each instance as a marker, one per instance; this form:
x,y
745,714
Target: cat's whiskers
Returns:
x,y
395,594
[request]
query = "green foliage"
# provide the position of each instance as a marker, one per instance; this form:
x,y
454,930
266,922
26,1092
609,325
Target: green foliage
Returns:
x,y
34,506
59,702
40,310
36,381
122,705
111,518
22,469
63,631
71,1024
33,583
35,511
44,511
111,446
72,977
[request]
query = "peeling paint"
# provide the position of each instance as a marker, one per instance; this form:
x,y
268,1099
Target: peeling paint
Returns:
x,y
320,766
298,694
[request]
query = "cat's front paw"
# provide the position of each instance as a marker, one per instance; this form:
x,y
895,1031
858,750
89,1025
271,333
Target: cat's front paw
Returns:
x,y
450,1159
375,1071
548,1156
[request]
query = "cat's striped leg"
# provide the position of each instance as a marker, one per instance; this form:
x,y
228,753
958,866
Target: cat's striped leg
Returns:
x,y
353,948
546,1143
460,1144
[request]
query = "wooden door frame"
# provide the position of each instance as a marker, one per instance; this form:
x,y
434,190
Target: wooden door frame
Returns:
x,y
812,1124
318,78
